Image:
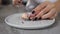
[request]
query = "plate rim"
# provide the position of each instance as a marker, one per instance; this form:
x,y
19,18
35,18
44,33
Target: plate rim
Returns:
x,y
23,27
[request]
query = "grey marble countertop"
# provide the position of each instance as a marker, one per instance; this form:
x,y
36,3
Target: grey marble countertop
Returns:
x,y
5,29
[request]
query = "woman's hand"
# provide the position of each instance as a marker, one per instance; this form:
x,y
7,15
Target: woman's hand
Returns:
x,y
17,2
44,11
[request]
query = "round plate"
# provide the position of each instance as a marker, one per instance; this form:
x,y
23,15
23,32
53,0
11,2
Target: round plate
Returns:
x,y
15,20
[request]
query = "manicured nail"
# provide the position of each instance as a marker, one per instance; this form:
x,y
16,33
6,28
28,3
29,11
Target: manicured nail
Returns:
x,y
35,19
18,2
22,22
29,18
46,19
39,19
33,12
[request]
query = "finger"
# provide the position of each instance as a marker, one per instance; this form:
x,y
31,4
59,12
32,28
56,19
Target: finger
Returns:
x,y
31,16
54,16
17,2
20,1
49,14
44,11
37,9
40,7
14,2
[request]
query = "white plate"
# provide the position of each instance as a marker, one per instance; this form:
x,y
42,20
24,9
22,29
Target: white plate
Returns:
x,y
16,21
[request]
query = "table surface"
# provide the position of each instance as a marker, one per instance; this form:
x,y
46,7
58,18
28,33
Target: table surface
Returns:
x,y
5,29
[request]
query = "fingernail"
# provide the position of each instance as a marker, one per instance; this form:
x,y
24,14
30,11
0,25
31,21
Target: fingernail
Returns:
x,y
29,18
46,19
35,19
33,12
39,19
18,2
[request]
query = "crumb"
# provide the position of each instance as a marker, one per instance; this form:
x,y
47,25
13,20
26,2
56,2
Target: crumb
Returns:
x,y
22,22
25,16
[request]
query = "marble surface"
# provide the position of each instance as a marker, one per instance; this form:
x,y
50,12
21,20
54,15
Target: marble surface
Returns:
x,y
5,29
